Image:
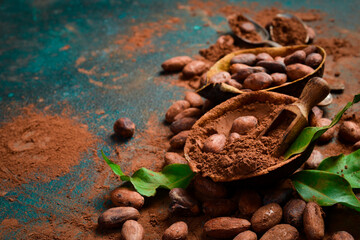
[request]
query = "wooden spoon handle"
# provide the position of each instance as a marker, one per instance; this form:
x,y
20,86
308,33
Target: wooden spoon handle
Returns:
x,y
314,92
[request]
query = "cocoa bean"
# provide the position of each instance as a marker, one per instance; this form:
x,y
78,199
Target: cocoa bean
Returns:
x,y
215,143
234,68
245,58
194,68
266,217
190,112
247,235
209,189
342,235
218,207
225,227
329,134
279,59
296,57
293,212
233,136
313,60
247,27
249,202
272,66
314,227
244,124
177,231
182,125
175,109
258,81
349,132
225,40
115,217
220,77
175,63
182,203
243,73
124,197
124,127
178,141
132,230
314,160
315,115
194,99
234,83
172,158
264,57
278,78
298,70
310,49
281,232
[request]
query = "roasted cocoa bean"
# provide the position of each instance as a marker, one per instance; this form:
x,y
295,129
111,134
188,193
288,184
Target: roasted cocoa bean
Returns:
x,y
313,60
278,79
219,207
172,158
258,81
342,235
244,124
220,77
264,57
215,143
293,212
182,203
182,125
209,189
314,160
115,217
194,99
175,109
194,68
314,227
249,202
234,83
190,112
132,230
349,132
296,57
124,197
243,73
124,127
278,195
272,66
245,58
225,227
234,68
177,231
310,49
266,217
175,63
178,141
247,235
298,70
329,134
281,232
279,59
233,136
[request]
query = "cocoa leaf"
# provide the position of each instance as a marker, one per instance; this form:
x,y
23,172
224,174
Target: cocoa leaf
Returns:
x,y
311,134
324,188
346,166
146,181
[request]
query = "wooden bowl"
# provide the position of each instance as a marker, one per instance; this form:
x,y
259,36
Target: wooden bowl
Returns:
x,y
280,170
220,92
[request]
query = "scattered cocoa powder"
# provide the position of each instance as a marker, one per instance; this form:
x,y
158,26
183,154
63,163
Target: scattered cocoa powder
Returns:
x,y
40,147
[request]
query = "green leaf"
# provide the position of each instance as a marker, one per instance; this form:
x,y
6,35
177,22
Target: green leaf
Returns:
x,y
311,134
345,166
146,181
324,188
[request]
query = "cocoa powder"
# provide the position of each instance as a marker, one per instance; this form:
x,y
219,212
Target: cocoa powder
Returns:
x,y
288,31
40,147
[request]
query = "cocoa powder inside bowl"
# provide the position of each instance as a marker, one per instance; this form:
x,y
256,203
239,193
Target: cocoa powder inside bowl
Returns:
x,y
243,28
247,155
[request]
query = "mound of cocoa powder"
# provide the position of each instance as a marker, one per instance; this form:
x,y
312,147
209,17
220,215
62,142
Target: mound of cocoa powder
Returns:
x,y
288,31
241,26
246,155
41,147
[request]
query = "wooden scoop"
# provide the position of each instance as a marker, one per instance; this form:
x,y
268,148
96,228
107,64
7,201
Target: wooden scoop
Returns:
x,y
294,117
